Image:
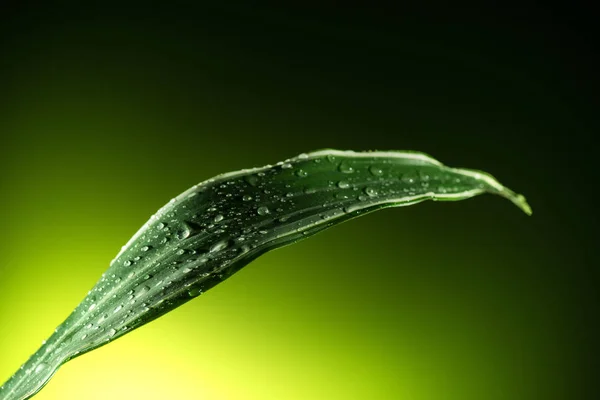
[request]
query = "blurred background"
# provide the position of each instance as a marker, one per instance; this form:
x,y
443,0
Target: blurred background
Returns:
x,y
108,112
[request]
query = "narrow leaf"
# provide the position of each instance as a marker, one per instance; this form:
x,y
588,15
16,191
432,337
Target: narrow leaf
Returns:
x,y
210,231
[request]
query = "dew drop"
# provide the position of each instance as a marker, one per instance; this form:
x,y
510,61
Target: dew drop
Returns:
x,y
286,165
218,246
145,248
184,233
40,367
262,210
346,168
247,197
112,332
375,171
218,218
301,173
409,178
343,184
127,263
252,180
371,192
142,290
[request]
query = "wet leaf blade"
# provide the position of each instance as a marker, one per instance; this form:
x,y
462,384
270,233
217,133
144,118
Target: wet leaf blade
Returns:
x,y
213,229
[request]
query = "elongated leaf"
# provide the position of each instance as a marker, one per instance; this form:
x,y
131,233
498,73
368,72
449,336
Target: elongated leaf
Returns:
x,y
210,231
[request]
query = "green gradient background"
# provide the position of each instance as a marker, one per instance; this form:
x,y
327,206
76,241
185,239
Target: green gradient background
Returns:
x,y
107,115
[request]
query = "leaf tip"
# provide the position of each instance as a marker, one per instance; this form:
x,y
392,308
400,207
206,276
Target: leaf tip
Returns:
x,y
518,200
521,202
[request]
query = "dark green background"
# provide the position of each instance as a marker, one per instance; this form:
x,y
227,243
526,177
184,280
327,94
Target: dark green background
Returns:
x,y
108,112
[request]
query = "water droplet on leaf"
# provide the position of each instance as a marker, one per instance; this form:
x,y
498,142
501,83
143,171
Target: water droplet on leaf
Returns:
x,y
40,367
262,210
218,246
375,171
252,180
369,191
346,168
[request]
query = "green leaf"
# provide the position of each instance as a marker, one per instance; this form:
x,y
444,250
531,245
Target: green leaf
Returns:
x,y
210,231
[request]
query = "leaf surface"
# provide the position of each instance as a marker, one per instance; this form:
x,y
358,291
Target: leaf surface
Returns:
x,y
213,229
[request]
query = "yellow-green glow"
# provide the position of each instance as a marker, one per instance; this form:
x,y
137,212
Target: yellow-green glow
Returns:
x,y
436,301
